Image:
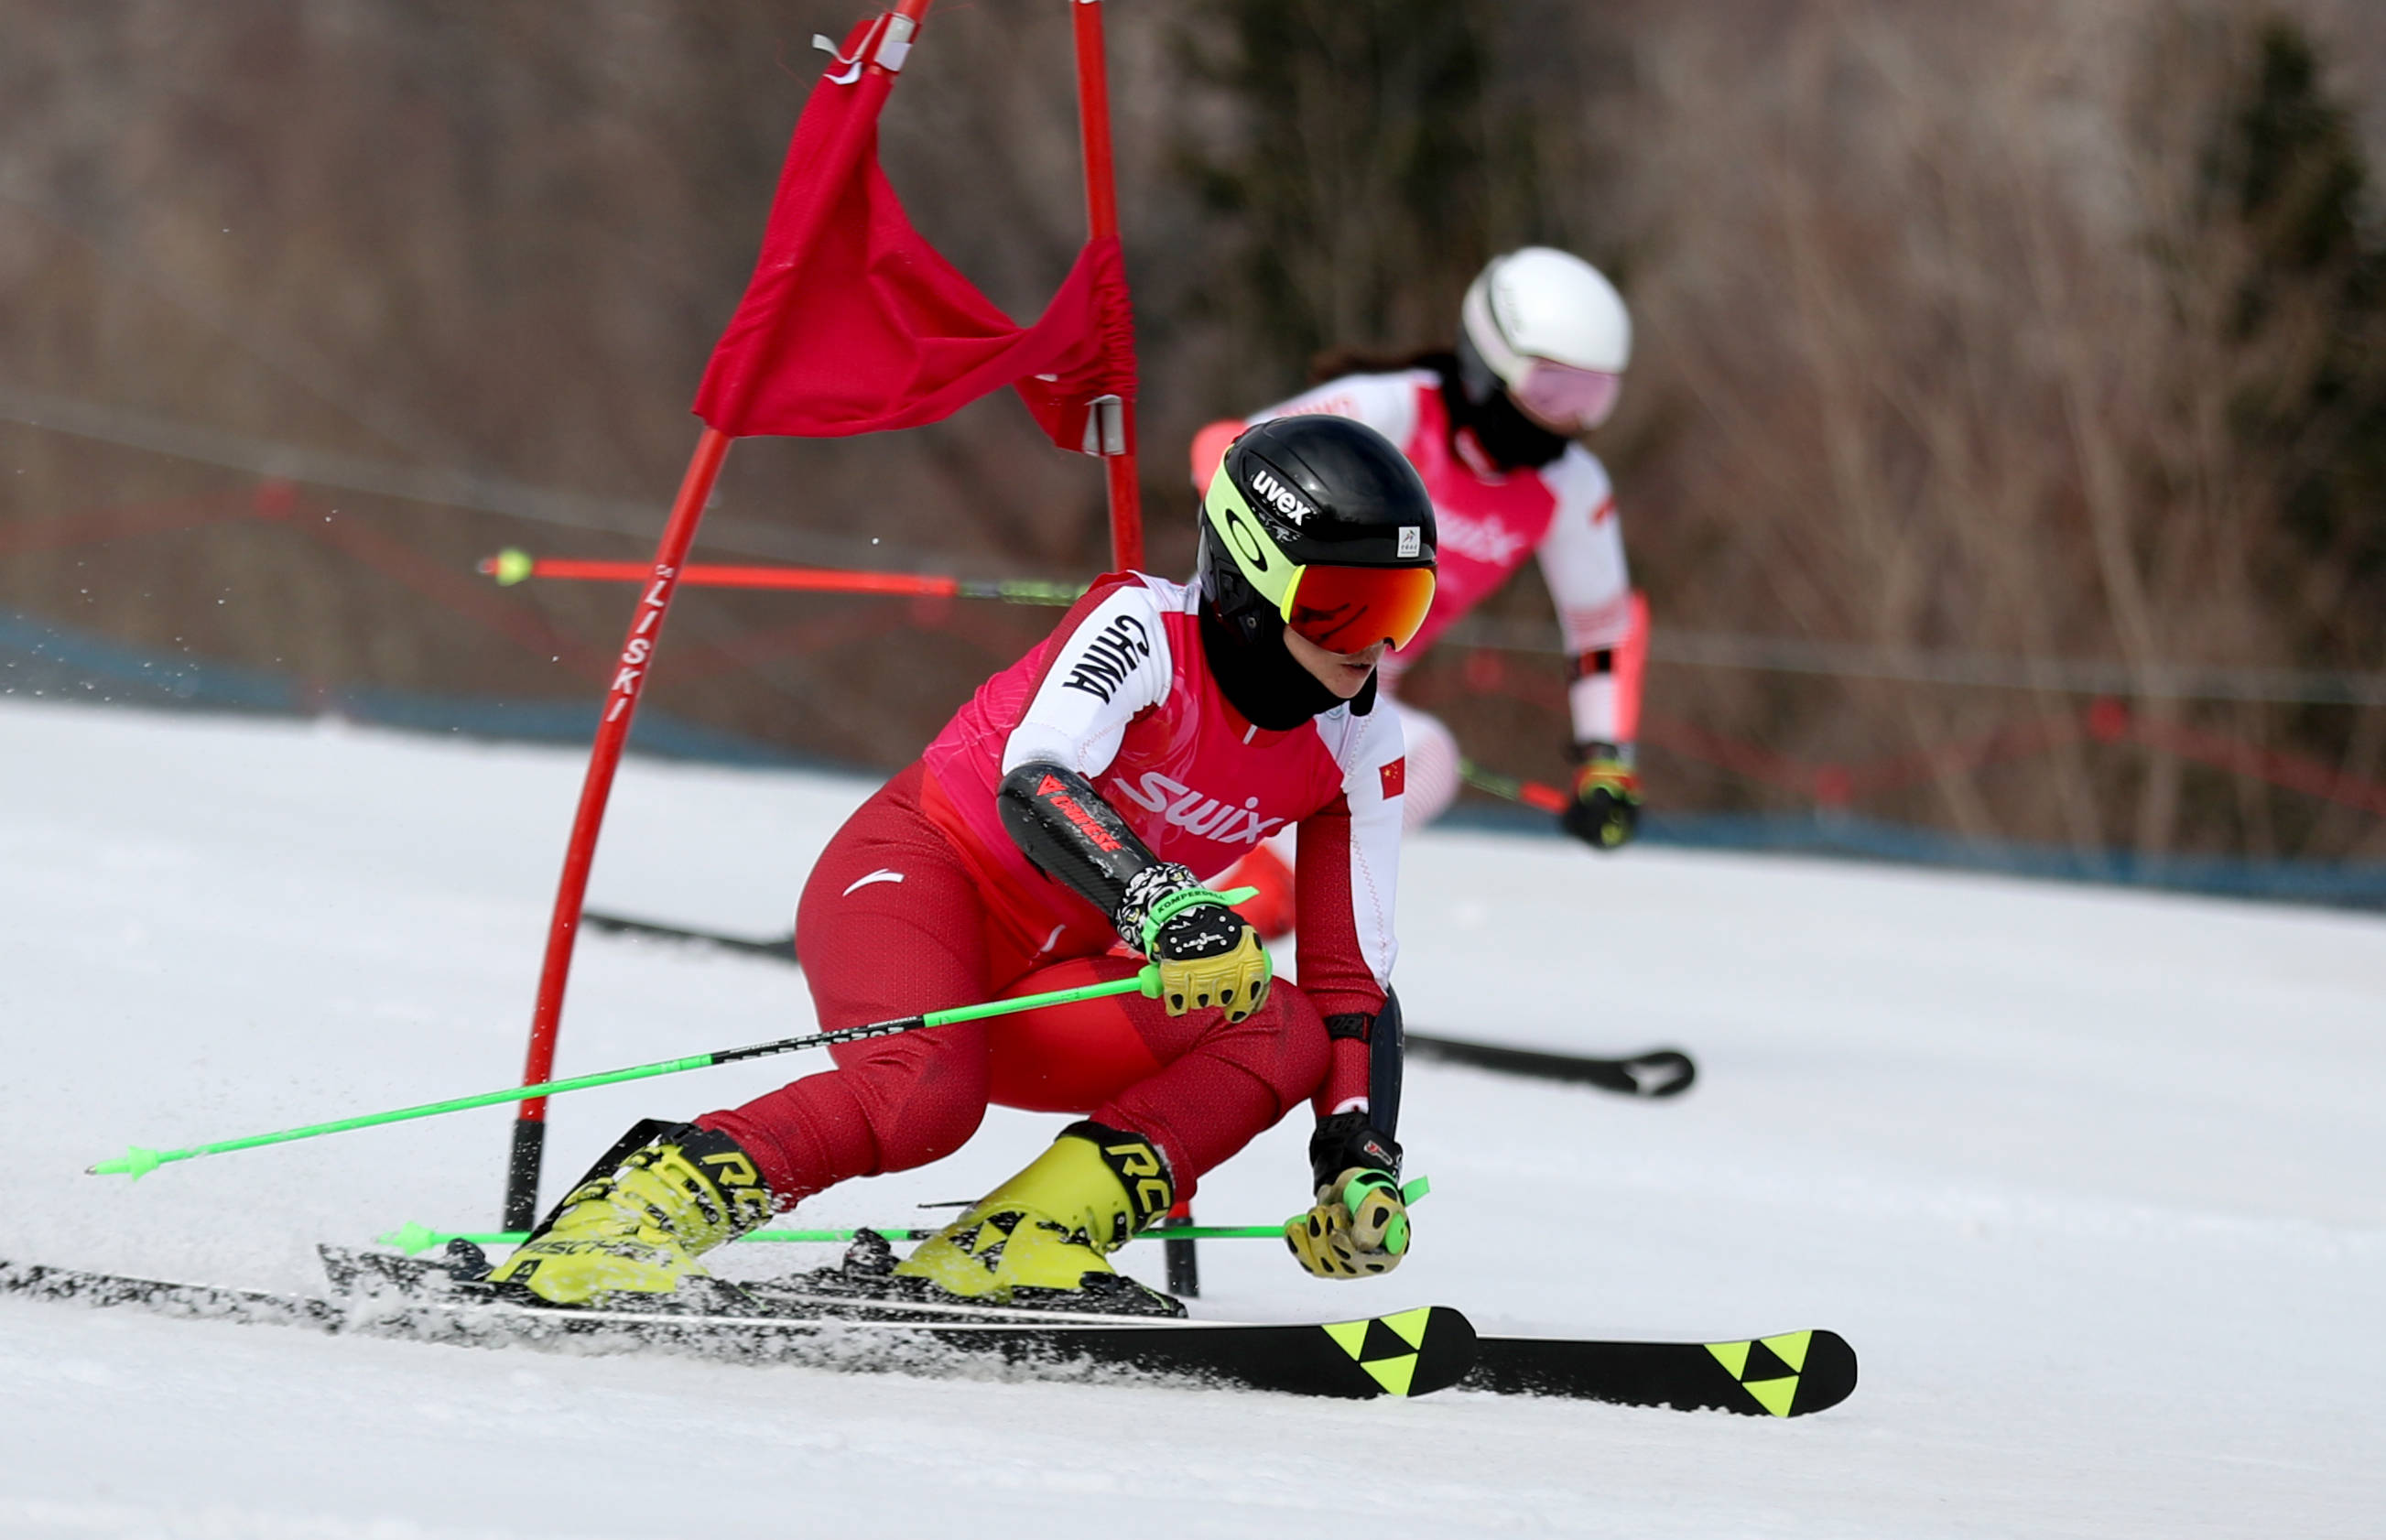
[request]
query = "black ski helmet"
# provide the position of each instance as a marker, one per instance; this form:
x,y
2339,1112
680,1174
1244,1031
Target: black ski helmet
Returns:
x,y
1312,490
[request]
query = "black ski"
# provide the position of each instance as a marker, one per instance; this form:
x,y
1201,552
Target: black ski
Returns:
x,y
1409,1352
1789,1374
1786,1376
196,1301
1656,1073
779,949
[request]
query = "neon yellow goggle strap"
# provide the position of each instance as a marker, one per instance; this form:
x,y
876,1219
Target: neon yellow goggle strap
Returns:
x,y
1261,559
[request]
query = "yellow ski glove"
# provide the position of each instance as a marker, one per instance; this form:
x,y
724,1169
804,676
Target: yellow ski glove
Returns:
x,y
1207,954
1358,1228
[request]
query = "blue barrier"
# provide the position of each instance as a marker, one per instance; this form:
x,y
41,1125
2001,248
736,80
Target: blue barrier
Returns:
x,y
38,658
41,659
2360,884
2345,884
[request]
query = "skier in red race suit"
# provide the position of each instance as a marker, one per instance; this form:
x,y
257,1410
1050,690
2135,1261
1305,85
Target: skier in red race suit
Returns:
x,y
1491,426
1062,821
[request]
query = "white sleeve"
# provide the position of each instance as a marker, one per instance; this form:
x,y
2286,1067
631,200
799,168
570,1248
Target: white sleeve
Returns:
x,y
1385,402
1113,665
1582,561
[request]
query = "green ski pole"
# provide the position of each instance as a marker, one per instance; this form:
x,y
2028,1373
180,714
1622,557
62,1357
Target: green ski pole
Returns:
x,y
138,1162
414,1239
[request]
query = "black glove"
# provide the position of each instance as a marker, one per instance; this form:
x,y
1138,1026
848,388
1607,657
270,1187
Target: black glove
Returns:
x,y
1358,1226
1605,811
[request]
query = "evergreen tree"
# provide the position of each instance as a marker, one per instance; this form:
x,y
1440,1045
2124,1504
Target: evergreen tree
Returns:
x,y
1372,167
2295,181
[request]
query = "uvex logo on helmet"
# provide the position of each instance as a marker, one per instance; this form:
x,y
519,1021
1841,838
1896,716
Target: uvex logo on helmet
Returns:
x,y
1281,497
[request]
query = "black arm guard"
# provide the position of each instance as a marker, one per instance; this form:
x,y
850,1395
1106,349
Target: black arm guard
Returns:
x,y
1386,1051
1062,824
1345,1140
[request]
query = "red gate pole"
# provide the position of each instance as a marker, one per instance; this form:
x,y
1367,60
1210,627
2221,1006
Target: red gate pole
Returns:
x,y
612,733
1113,427
1114,417
886,51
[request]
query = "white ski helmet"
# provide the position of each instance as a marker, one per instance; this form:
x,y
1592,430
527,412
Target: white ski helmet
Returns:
x,y
1552,330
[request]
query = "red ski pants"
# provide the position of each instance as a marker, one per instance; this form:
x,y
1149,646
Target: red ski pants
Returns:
x,y
894,924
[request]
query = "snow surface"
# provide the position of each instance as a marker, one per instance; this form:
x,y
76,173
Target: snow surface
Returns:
x,y
2092,1179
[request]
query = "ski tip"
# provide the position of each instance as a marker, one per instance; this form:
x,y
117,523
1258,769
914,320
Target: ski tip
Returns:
x,y
1829,1376
1660,1072
1791,1373
1411,1353
1786,1375
136,1163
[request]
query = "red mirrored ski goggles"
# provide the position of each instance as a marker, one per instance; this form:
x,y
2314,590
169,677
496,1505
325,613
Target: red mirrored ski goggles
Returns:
x,y
1344,609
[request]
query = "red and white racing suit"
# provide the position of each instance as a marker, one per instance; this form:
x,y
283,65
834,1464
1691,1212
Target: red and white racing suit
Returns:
x,y
1489,520
922,902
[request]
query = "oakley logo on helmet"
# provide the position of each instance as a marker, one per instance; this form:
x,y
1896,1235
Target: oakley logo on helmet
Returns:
x,y
1412,540
1249,543
1281,497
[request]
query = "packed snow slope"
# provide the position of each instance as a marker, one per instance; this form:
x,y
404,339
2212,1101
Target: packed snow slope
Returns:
x,y
2092,1179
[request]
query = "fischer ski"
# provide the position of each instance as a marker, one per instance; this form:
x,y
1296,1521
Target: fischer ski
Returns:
x,y
1654,1073
1406,1352
1789,1374
192,1301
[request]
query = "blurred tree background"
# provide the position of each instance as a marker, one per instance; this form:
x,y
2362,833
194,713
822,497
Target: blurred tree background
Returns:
x,y
1993,359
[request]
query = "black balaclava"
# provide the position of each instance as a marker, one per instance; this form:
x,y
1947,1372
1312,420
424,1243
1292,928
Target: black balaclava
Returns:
x,y
1265,681
1474,398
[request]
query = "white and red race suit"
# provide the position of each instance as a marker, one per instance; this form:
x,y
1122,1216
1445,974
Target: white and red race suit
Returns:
x,y
922,901
1487,520
1123,695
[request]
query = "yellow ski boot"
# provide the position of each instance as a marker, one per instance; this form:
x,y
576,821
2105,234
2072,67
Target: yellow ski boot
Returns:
x,y
636,1224
1042,1240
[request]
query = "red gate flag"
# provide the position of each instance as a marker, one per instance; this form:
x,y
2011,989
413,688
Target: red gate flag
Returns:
x,y
853,323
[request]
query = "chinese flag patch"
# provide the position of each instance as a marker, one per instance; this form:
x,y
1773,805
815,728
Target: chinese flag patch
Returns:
x,y
1395,776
